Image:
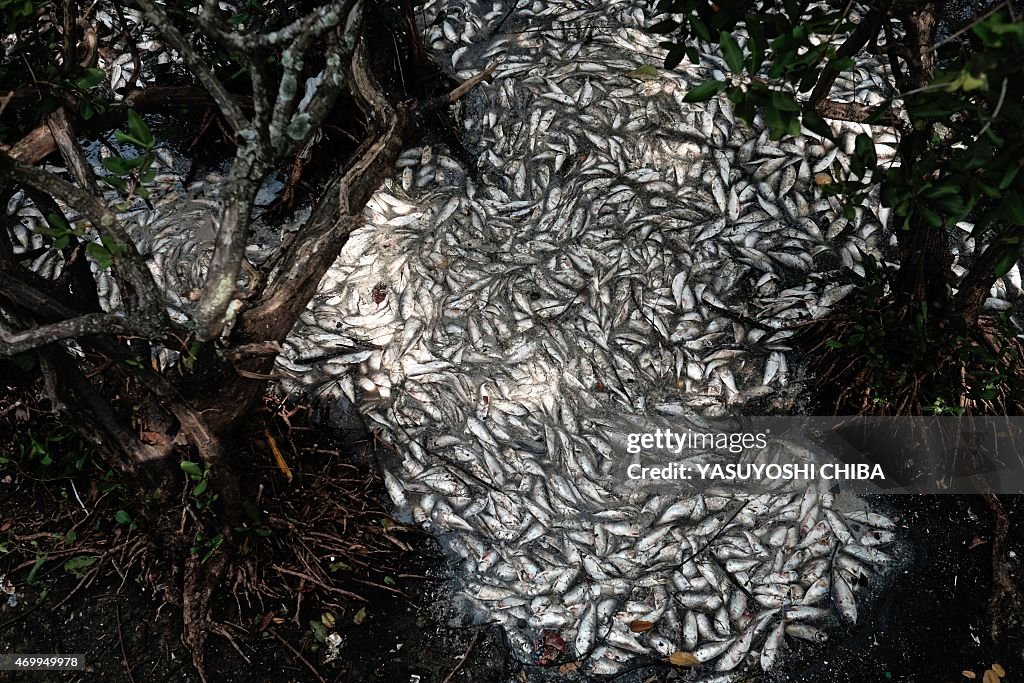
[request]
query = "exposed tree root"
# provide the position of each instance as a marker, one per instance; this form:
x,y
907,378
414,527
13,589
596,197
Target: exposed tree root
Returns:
x,y
1006,605
200,580
849,383
856,386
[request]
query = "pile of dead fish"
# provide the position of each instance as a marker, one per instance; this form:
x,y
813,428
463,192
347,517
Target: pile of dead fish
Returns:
x,y
600,251
603,248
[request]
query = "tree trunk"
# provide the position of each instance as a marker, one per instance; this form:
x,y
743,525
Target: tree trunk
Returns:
x,y
925,266
925,258
284,296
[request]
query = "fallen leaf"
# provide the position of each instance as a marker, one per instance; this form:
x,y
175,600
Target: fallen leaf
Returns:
x,y
265,622
327,619
644,73
683,659
359,617
153,438
976,542
319,632
568,667
990,677
822,179
1000,671
969,674
639,626
278,458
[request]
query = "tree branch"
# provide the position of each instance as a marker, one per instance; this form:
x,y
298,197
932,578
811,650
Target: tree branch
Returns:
x,y
866,29
287,131
855,111
64,138
83,326
143,458
39,143
32,298
238,195
344,197
135,276
228,108
978,280
303,261
292,62
191,421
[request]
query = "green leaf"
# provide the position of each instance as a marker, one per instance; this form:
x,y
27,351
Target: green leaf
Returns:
x,y
842,63
104,259
937,191
115,182
57,222
1013,208
40,561
319,631
933,219
675,56
251,511
808,80
122,166
76,564
818,125
864,154
755,43
1009,174
126,139
1006,262
90,79
700,28
139,129
664,26
190,468
731,51
122,517
200,488
647,72
967,81
784,101
705,91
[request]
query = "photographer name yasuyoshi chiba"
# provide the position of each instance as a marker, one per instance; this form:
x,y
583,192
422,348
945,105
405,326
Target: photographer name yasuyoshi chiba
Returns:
x,y
757,471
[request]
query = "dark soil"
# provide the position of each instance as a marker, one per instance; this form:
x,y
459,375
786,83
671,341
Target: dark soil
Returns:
x,y
399,638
